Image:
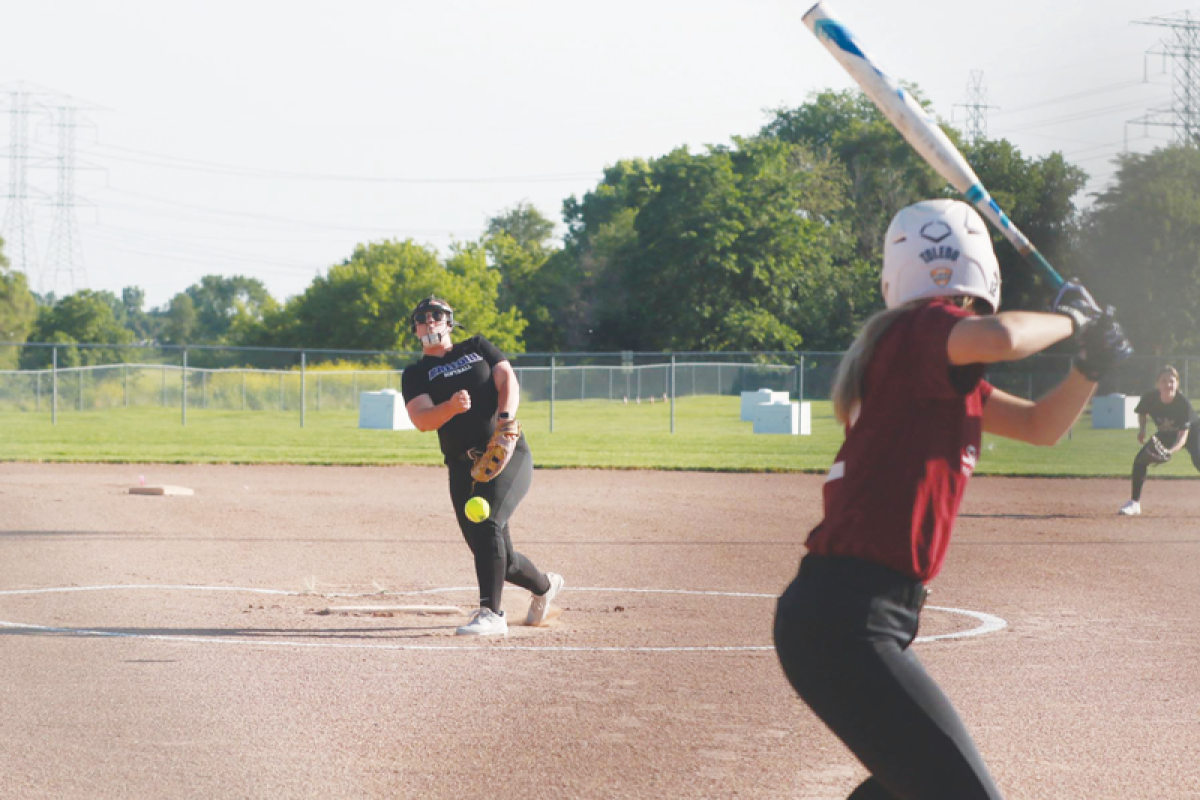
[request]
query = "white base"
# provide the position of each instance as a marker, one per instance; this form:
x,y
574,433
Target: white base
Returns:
x,y
752,400
1114,411
383,411
181,491
794,418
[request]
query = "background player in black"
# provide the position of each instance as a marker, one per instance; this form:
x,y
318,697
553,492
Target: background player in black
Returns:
x,y
1175,421
461,390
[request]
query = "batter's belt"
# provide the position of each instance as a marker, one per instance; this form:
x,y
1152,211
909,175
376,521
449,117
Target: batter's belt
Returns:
x,y
869,578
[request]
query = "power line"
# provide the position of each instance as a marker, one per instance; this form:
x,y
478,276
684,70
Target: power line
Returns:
x,y
174,162
976,106
1183,50
64,261
20,244
1065,98
1079,115
204,255
248,217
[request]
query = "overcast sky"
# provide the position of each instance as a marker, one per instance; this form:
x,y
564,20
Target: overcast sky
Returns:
x,y
267,138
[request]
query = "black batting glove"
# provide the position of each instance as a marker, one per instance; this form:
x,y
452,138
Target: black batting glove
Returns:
x,y
1076,303
1102,346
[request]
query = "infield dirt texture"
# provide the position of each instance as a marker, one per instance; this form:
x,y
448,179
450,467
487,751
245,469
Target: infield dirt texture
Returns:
x,y
172,646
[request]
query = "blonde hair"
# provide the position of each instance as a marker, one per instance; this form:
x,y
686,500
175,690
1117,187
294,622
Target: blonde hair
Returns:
x,y
1168,370
849,380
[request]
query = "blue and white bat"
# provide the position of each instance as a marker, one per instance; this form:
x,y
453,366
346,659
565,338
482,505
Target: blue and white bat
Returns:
x,y
919,129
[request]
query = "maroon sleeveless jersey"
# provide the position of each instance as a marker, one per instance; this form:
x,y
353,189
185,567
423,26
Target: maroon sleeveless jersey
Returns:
x,y
894,490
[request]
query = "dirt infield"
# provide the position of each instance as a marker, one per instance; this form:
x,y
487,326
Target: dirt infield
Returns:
x,y
176,646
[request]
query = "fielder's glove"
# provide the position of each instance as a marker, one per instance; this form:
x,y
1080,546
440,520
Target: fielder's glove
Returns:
x,y
1156,452
1076,303
495,457
1102,346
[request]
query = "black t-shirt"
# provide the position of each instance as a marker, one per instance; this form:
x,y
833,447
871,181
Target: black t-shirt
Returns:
x,y
1169,418
468,366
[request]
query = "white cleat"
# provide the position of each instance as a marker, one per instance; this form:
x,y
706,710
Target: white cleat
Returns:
x,y
1131,509
539,605
485,622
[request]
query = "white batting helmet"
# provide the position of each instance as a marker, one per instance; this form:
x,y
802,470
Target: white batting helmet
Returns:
x,y
939,248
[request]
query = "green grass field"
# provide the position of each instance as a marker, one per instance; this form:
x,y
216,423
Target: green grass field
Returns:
x,y
601,434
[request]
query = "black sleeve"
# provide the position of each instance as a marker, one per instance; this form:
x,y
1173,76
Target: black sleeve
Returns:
x,y
413,383
1143,406
1193,419
491,354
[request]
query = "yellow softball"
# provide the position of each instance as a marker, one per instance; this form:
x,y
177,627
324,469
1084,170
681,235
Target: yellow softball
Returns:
x,y
478,509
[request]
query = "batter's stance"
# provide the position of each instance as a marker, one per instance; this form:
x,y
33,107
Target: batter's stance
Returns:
x,y
461,391
911,394
1175,422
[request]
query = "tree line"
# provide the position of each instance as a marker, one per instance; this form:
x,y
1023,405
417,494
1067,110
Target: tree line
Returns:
x,y
771,242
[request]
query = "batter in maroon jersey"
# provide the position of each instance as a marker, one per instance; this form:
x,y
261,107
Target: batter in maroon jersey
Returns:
x,y
911,451
911,393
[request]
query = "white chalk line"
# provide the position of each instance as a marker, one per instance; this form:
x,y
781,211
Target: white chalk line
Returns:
x,y
988,622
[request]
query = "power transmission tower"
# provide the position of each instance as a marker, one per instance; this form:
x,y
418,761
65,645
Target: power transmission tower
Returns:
x,y
1182,49
976,105
64,258
20,245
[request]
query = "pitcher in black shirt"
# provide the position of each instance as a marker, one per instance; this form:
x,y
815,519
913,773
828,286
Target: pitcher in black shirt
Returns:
x,y
1176,424
461,390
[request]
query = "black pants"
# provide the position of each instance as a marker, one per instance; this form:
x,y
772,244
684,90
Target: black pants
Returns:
x,y
1142,462
842,632
490,543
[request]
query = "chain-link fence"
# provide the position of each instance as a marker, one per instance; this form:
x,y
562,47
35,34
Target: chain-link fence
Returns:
x,y
53,379
57,379
665,375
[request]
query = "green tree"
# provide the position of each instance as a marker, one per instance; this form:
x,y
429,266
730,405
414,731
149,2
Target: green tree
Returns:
x,y
18,308
472,289
83,317
883,171
885,174
364,302
1139,249
519,245
1038,195
179,324
730,247
228,308
144,325
591,303
725,249
528,227
18,311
